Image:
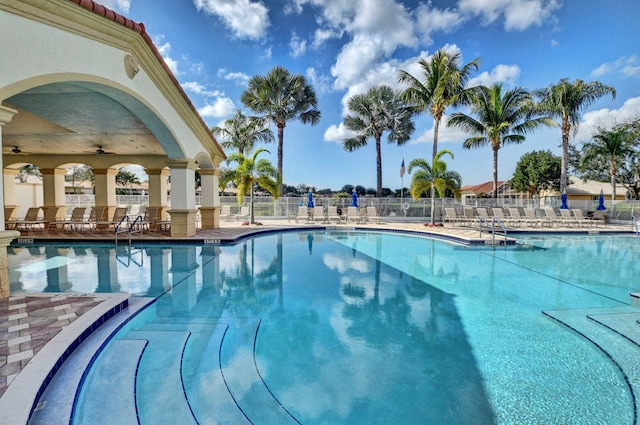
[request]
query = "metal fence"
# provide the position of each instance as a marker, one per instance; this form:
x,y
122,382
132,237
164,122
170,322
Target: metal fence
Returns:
x,y
265,206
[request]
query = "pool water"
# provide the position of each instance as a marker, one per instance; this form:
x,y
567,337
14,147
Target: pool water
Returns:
x,y
335,327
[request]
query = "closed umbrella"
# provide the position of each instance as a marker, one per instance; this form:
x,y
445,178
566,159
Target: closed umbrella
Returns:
x,y
310,202
601,206
354,198
564,201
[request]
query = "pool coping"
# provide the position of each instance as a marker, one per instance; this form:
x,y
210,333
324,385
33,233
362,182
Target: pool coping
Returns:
x,y
20,398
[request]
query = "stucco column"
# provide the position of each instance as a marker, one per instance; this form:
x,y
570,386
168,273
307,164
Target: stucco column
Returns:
x,y
106,190
6,236
53,192
183,198
9,184
210,209
158,190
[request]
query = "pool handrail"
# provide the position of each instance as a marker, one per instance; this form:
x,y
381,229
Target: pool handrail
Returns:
x,y
635,225
490,226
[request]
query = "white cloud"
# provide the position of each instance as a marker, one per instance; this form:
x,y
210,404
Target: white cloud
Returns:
x,y
430,20
445,134
247,19
222,107
518,15
164,49
117,5
240,78
321,83
337,133
500,74
606,117
197,88
297,46
628,66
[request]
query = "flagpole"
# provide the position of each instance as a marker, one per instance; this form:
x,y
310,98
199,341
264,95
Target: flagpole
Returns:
x,y
402,169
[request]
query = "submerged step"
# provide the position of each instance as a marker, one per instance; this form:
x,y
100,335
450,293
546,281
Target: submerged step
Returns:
x,y
115,376
612,331
160,397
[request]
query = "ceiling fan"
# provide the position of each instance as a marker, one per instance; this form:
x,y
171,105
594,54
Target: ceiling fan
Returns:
x,y
101,151
18,151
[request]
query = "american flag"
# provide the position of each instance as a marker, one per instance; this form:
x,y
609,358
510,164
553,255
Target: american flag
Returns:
x,y
402,169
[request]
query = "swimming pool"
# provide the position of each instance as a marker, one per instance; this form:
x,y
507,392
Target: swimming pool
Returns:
x,y
334,327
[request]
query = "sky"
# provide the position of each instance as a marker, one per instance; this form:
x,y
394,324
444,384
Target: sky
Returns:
x,y
343,48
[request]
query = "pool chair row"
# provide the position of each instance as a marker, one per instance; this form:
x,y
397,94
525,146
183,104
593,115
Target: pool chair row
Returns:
x,y
227,215
82,219
338,215
517,217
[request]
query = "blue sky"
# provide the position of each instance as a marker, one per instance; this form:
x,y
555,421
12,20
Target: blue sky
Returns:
x,y
344,47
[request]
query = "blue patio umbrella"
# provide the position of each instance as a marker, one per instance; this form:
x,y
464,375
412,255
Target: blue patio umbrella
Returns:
x,y
310,202
564,205
354,198
601,206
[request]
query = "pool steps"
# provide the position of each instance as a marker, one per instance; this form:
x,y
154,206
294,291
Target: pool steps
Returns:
x,y
615,331
215,354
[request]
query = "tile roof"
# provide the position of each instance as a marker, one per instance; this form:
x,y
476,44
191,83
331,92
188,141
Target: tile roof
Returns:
x,y
139,28
486,187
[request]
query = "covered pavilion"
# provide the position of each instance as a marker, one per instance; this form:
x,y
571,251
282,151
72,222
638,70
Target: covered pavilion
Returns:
x,y
81,84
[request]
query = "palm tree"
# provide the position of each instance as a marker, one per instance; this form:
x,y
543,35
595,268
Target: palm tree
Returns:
x,y
242,133
250,172
609,145
280,97
566,100
442,84
372,113
433,176
501,118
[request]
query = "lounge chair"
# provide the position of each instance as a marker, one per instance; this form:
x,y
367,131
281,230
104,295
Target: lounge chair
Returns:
x,y
30,220
551,216
318,214
303,213
506,221
243,214
581,219
352,215
10,217
567,218
332,214
77,216
372,215
469,216
225,213
533,219
451,216
118,215
514,213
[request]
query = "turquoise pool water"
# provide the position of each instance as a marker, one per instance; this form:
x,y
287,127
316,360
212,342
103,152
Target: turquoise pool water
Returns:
x,y
350,328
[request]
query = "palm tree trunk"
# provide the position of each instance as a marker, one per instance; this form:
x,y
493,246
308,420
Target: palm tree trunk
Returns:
x,y
612,171
280,144
495,173
436,127
566,131
379,165
251,216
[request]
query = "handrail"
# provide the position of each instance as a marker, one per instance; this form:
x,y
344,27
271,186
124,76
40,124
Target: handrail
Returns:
x,y
504,229
117,228
635,226
490,226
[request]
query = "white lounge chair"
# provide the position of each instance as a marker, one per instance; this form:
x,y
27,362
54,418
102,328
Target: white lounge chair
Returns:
x,y
352,214
372,215
581,219
225,212
318,214
332,214
243,214
303,214
451,216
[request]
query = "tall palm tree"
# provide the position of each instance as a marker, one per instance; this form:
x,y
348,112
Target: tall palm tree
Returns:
x,y
250,172
500,118
280,97
441,85
566,100
372,113
242,133
433,175
611,146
